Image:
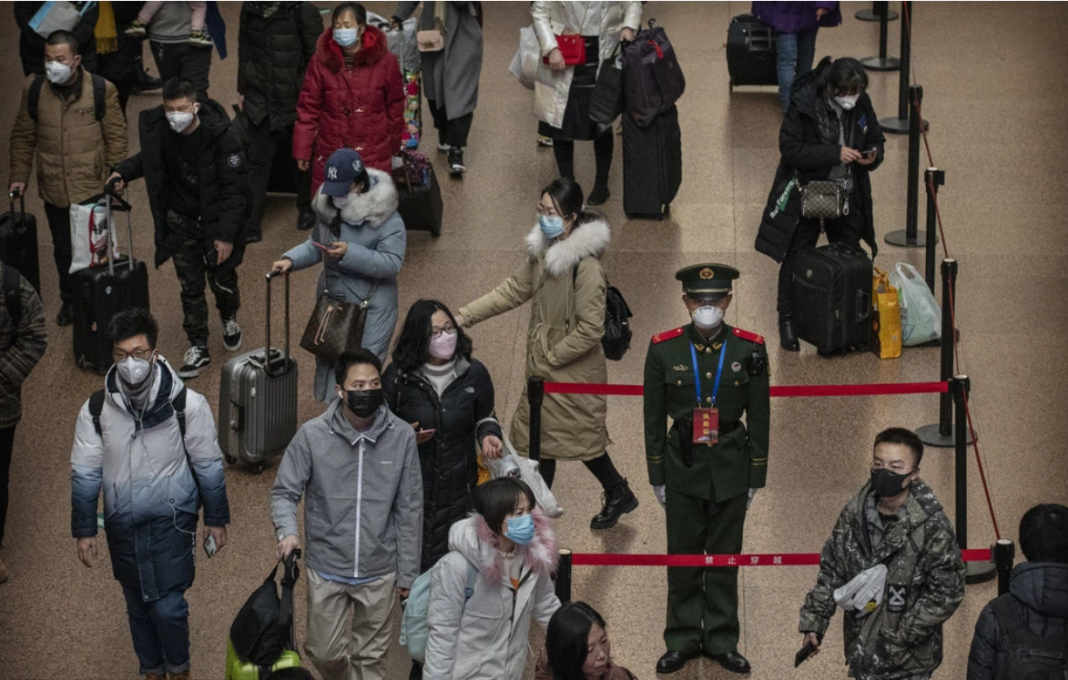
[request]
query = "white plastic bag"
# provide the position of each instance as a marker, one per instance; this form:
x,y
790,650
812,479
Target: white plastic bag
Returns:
x,y
921,317
57,16
90,234
401,42
511,464
525,63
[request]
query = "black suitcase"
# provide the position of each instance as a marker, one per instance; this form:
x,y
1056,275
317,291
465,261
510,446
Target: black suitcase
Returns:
x,y
18,242
832,298
420,206
652,165
101,293
751,52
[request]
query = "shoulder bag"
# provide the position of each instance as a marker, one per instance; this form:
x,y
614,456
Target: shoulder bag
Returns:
x,y
433,40
336,327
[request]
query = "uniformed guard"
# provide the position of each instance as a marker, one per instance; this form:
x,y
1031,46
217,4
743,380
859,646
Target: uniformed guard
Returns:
x,y
707,466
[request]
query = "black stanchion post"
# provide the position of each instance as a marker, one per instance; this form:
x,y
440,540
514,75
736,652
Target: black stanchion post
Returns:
x,y
900,124
881,62
910,237
932,179
878,11
977,572
535,397
563,576
1004,554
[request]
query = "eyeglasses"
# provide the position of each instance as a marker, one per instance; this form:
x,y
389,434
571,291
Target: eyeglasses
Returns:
x,y
140,354
895,467
436,333
540,210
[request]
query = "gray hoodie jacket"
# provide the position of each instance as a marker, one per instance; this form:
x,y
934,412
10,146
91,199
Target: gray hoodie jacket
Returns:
x,y
363,496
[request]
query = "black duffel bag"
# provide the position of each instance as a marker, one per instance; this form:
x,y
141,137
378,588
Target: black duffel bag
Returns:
x,y
263,628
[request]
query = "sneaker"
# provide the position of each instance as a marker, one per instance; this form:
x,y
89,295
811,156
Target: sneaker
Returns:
x,y
137,29
444,148
231,335
196,358
5,575
66,315
200,39
184,675
456,162
545,141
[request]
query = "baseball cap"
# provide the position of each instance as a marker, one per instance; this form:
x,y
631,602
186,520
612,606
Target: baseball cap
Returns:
x,y
343,169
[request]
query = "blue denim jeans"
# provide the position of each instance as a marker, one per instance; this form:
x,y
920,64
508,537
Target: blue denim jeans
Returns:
x,y
160,631
796,52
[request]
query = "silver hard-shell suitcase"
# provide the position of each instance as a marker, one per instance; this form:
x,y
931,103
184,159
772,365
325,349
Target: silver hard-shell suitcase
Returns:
x,y
258,399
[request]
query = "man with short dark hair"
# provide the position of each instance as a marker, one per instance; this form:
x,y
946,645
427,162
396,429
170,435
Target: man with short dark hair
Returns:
x,y
150,444
357,467
197,178
893,565
1024,633
71,125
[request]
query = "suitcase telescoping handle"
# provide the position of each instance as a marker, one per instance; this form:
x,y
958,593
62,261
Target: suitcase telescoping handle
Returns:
x,y
21,195
109,196
267,345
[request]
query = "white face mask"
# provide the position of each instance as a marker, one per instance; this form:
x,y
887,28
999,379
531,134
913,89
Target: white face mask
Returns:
x,y
57,73
133,371
707,317
180,120
847,102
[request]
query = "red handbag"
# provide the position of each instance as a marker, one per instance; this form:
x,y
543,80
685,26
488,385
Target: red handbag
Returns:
x,y
572,48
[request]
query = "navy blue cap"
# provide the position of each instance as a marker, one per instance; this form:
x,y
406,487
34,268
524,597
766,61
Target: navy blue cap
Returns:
x,y
343,169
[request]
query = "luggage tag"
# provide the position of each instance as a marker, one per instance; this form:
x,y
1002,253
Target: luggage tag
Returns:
x,y
706,420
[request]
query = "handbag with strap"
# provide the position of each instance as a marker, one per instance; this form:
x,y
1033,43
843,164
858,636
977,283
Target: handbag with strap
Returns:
x,y
572,49
433,40
823,200
607,101
336,327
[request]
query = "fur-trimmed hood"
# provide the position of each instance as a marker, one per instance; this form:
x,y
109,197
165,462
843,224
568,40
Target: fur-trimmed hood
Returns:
x,y
373,49
560,257
474,539
373,207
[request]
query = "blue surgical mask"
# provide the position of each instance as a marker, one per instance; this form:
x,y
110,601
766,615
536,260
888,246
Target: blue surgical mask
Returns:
x,y
346,37
551,225
520,529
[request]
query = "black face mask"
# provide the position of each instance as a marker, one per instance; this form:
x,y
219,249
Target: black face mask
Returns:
x,y
363,402
886,483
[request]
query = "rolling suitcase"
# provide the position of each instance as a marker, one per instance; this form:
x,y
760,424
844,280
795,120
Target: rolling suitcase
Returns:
x,y
420,204
832,298
751,57
258,399
102,292
652,165
18,242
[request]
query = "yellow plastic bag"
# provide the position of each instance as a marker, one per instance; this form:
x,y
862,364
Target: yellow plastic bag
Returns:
x,y
886,317
483,471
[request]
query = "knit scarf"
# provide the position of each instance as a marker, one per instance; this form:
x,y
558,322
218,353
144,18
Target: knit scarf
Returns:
x,y
107,35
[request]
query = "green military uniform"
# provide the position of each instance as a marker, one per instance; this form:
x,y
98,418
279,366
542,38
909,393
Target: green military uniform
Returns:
x,y
706,486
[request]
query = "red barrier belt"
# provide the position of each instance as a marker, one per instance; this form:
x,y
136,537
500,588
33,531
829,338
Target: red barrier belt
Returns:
x,y
776,391
768,560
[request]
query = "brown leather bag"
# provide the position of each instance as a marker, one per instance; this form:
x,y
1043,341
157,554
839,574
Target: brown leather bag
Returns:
x,y
336,327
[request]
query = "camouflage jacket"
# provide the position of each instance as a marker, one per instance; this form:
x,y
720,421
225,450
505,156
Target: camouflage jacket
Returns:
x,y
924,585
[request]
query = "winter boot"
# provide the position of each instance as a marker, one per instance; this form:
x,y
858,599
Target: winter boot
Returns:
x,y
617,501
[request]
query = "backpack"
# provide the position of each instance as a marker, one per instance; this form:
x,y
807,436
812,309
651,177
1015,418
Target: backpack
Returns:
x,y
617,332
263,629
652,78
1027,656
12,285
414,631
33,100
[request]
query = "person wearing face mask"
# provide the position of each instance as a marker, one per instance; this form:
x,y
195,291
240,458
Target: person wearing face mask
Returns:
x,y
150,444
830,132
563,279
359,237
577,647
60,128
893,566
496,577
196,175
357,468
706,468
352,97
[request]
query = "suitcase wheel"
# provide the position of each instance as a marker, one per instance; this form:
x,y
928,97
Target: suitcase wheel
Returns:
x,y
230,459
260,468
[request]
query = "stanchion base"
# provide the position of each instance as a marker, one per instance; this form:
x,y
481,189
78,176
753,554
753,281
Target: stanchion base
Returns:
x,y
870,15
901,239
898,126
979,572
931,436
881,63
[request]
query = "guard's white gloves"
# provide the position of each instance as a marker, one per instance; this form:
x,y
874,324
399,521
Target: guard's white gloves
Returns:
x,y
752,492
864,593
661,495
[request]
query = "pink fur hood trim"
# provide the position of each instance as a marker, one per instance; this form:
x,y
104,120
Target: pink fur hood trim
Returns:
x,y
473,538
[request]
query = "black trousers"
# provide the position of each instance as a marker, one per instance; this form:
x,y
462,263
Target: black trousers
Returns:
x,y
62,249
183,60
7,444
267,149
190,263
602,468
452,132
845,230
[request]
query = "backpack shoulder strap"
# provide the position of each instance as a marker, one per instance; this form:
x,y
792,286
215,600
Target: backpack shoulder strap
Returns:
x,y
1005,612
96,407
33,99
178,403
100,96
13,300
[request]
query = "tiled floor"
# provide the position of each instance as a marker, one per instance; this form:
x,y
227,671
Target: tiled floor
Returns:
x,y
994,81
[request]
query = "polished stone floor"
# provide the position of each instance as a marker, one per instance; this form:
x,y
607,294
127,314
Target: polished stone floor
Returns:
x,y
995,96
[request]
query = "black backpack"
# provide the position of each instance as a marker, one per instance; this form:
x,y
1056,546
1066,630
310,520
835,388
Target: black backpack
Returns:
x,y
617,315
1027,656
263,628
33,101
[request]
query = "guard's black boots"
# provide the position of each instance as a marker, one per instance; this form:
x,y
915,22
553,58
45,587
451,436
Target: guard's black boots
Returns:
x,y
618,500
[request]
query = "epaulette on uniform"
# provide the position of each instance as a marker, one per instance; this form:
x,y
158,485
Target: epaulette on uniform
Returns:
x,y
751,337
668,335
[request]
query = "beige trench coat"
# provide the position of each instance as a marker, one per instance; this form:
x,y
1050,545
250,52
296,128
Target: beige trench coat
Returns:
x,y
563,339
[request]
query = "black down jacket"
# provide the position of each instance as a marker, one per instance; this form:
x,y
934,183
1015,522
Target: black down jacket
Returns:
x,y
461,417
1039,592
808,144
273,53
223,180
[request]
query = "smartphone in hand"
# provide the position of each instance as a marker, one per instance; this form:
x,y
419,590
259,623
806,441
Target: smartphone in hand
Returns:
x,y
320,246
870,153
804,653
210,547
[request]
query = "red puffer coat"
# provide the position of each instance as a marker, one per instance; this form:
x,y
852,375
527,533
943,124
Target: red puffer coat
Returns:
x,y
361,108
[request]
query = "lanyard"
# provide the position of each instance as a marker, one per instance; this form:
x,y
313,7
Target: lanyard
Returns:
x,y
697,373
